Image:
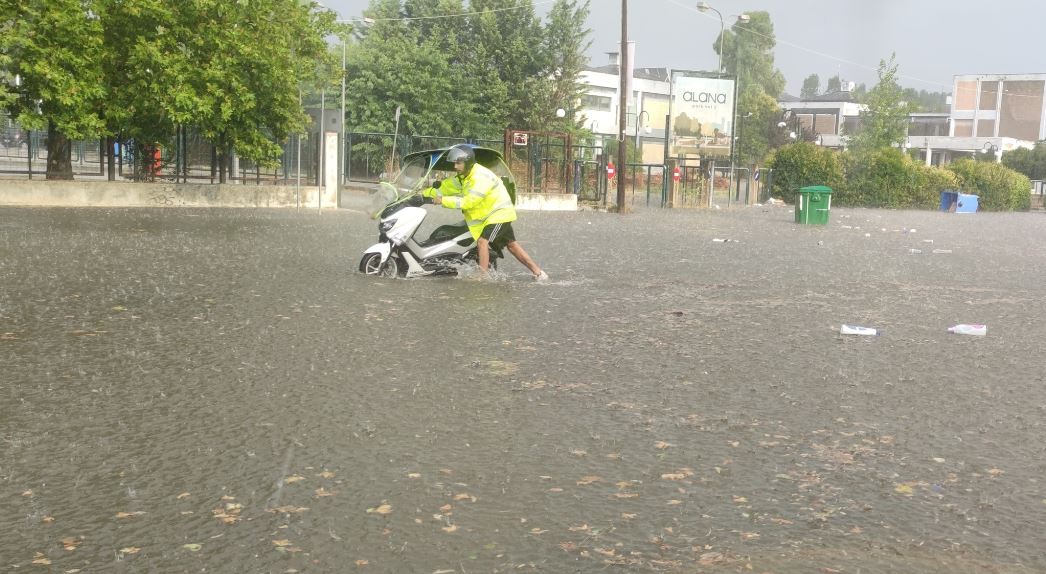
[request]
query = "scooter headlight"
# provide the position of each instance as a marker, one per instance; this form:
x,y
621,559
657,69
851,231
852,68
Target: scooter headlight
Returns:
x,y
385,226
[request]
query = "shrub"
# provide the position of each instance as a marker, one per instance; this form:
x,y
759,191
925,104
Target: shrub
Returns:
x,y
802,164
998,187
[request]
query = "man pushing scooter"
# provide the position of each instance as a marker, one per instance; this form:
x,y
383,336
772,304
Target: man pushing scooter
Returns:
x,y
486,205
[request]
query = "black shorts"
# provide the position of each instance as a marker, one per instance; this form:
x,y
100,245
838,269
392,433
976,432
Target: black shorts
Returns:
x,y
498,234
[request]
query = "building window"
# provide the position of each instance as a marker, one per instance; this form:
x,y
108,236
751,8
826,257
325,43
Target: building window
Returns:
x,y
1020,114
989,95
963,128
965,95
985,128
595,103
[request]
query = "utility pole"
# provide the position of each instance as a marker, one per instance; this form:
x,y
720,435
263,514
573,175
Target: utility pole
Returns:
x,y
622,70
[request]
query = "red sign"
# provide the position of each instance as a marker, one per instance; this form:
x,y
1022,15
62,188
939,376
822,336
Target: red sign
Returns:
x,y
610,170
676,175
519,139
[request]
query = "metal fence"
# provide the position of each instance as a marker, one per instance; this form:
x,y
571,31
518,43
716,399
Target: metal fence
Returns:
x,y
544,165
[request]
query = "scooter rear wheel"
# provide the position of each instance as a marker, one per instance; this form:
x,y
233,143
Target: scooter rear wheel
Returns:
x,y
371,265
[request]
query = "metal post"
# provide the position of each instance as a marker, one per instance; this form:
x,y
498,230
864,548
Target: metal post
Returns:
x,y
623,112
341,137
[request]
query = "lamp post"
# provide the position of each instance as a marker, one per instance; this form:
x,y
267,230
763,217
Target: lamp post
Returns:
x,y
704,7
994,149
639,120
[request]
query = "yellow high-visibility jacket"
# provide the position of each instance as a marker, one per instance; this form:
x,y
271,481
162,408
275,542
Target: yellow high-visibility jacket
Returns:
x,y
480,195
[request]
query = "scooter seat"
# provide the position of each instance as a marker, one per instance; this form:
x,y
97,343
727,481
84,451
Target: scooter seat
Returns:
x,y
445,233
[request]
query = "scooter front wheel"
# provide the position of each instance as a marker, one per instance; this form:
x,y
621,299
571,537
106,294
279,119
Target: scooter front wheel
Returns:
x,y
371,265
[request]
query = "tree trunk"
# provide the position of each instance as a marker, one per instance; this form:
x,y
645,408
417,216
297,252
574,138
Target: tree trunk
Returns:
x,y
59,154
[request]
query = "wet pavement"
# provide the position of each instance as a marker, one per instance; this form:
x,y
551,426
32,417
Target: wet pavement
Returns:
x,y
220,390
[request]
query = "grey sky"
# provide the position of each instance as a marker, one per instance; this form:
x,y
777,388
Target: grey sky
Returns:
x,y
933,39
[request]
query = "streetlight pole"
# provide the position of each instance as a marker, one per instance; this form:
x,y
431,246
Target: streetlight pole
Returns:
x,y
704,7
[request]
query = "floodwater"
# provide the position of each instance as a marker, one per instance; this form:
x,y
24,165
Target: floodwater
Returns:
x,y
220,390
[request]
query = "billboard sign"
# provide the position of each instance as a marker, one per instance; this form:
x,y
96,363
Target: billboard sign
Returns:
x,y
702,115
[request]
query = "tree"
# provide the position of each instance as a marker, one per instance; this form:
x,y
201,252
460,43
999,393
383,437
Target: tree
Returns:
x,y
811,87
564,44
884,119
249,60
835,84
749,55
1030,162
55,48
517,72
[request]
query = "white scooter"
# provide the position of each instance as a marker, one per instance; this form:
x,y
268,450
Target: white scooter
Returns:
x,y
398,207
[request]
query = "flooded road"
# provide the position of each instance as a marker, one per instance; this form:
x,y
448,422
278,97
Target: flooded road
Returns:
x,y
220,390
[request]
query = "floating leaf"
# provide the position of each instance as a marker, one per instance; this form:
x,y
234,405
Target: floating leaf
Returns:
x,y
321,492
281,542
382,509
938,459
996,472
362,562
537,531
905,489
586,480
445,508
130,550
129,514
662,445
47,519
451,528
293,478
192,547
327,474
288,509
70,543
582,528
183,495
40,558
27,493
414,475
675,502
464,496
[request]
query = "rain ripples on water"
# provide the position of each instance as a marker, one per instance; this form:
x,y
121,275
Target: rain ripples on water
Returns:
x,y
219,389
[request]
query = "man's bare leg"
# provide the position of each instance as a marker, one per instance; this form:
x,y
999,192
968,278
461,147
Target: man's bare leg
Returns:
x,y
483,253
521,255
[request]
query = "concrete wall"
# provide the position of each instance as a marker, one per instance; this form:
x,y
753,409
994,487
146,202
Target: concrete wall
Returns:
x,y
126,194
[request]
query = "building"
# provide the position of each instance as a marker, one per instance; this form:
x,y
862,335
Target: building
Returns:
x,y
989,114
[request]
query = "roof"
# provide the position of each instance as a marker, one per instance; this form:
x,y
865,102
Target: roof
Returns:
x,y
655,74
837,96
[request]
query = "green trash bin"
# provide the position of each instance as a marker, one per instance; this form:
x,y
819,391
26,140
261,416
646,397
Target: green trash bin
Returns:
x,y
812,204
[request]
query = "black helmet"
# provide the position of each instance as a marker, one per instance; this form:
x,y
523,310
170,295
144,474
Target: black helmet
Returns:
x,y
463,153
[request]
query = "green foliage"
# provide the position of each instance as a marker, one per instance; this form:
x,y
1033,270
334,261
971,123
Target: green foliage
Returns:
x,y
998,187
811,86
138,68
471,76
923,101
748,53
1030,162
888,177
835,84
883,178
802,164
884,120
55,47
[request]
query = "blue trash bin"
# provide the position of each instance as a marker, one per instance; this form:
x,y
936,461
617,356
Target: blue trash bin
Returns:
x,y
956,202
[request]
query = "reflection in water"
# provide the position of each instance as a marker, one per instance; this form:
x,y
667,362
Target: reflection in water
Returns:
x,y
191,389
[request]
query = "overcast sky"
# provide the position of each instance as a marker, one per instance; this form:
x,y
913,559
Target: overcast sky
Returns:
x,y
933,39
